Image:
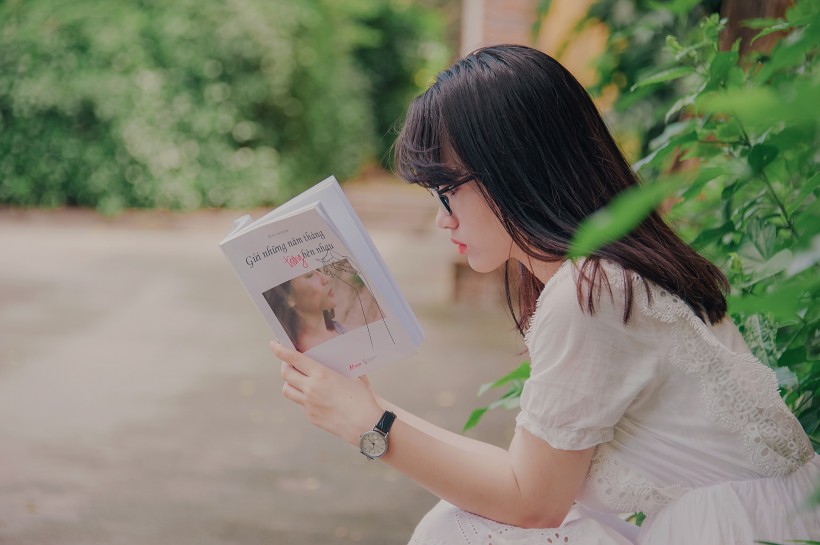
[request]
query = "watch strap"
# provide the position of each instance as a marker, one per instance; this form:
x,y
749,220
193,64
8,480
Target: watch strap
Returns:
x,y
385,422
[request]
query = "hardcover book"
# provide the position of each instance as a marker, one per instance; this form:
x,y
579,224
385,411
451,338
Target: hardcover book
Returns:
x,y
321,285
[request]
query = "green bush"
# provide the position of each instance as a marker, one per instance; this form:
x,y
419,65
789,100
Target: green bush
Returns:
x,y
737,154
182,104
400,53
748,197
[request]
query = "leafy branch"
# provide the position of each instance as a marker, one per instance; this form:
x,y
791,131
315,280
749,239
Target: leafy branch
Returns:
x,y
721,123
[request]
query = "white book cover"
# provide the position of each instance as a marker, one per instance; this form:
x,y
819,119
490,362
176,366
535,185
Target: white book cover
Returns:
x,y
319,283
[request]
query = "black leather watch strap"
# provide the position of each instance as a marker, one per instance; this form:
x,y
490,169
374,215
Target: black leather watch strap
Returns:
x,y
385,422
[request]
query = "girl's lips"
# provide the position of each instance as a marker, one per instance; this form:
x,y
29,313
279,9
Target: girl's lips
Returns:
x,y
462,248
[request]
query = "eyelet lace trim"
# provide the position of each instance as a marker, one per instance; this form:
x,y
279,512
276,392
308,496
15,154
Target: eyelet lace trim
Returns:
x,y
740,393
624,489
476,530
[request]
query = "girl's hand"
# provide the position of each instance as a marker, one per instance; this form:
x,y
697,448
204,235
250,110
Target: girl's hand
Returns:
x,y
343,406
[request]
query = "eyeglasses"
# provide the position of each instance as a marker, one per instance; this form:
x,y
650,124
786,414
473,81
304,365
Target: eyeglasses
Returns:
x,y
440,193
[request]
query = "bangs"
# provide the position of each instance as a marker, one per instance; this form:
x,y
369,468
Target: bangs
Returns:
x,y
422,143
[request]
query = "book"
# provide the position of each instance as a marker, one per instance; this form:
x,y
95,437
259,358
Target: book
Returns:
x,y
320,284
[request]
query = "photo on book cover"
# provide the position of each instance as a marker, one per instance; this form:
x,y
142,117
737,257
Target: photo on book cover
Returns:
x,y
322,304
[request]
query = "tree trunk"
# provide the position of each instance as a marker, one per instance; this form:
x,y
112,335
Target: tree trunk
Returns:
x,y
738,11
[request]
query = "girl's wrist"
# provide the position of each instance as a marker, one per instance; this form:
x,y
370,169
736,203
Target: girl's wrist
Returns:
x,y
367,422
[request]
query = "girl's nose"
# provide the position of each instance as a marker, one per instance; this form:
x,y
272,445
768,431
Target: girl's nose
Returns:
x,y
445,221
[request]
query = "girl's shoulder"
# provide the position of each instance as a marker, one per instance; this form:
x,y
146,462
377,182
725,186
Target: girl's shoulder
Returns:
x,y
611,286
568,290
560,304
577,297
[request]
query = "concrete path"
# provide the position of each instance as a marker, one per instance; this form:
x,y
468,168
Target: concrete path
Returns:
x,y
139,403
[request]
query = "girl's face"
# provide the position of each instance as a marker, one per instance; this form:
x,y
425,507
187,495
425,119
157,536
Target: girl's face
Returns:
x,y
312,292
475,229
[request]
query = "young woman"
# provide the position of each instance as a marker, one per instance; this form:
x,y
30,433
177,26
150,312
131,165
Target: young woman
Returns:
x,y
643,395
305,307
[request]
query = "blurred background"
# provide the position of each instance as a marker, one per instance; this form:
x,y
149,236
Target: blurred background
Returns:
x,y
138,402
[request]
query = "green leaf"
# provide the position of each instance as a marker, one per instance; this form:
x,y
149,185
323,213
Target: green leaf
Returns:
x,y
807,220
709,236
793,356
802,13
789,52
792,102
720,68
706,175
746,100
783,302
791,137
672,132
761,22
509,400
679,105
679,7
624,213
763,236
522,372
689,51
475,417
760,156
760,335
812,185
805,259
671,139
664,75
771,30
778,263
728,131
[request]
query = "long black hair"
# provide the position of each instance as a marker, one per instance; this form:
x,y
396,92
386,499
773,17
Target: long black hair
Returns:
x,y
516,121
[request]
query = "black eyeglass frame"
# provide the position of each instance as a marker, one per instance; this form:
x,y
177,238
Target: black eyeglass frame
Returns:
x,y
444,201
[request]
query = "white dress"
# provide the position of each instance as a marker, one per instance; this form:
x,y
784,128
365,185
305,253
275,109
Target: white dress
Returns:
x,y
689,427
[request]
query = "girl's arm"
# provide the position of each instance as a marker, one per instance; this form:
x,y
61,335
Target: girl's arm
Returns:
x,y
529,485
434,431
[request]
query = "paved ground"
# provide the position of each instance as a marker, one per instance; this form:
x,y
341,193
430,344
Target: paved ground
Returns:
x,y
139,403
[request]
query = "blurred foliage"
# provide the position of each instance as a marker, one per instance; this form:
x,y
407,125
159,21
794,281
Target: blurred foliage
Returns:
x,y
399,57
635,46
514,381
199,103
745,141
735,157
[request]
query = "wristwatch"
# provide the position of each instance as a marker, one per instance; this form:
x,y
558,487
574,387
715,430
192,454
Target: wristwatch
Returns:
x,y
373,443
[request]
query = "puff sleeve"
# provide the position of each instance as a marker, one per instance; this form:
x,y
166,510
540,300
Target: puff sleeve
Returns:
x,y
586,369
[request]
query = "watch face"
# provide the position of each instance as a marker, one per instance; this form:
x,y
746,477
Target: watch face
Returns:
x,y
373,444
